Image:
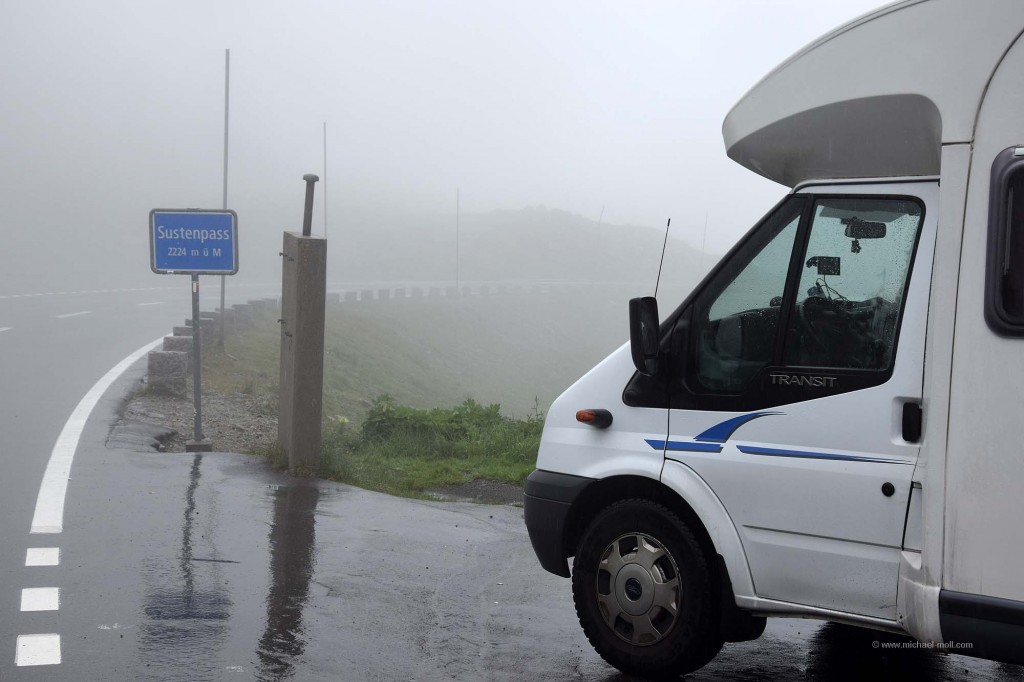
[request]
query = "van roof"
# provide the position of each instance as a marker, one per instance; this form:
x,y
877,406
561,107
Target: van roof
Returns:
x,y
877,97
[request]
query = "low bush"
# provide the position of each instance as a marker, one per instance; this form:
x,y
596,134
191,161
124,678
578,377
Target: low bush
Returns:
x,y
406,451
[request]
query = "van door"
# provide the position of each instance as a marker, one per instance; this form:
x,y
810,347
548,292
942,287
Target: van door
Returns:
x,y
797,384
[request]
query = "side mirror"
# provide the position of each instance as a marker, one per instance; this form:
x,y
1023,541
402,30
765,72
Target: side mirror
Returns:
x,y
644,341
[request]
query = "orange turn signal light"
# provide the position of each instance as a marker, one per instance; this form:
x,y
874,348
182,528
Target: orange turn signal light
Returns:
x,y
597,418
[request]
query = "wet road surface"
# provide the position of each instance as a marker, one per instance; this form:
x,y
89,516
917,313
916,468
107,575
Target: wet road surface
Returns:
x,y
212,567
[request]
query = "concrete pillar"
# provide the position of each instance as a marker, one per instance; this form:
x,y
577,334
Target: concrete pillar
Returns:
x,y
303,301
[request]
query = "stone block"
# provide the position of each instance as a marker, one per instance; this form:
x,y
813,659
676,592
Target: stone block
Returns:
x,y
180,344
204,322
167,371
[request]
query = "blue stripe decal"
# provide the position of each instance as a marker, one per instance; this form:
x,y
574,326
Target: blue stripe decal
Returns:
x,y
719,433
684,446
774,452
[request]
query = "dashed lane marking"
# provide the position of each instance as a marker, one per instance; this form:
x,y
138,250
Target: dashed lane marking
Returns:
x,y
42,556
49,513
38,650
91,291
153,303
6,329
80,312
40,599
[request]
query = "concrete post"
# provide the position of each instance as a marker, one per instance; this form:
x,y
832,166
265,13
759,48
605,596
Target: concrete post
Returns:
x,y
304,290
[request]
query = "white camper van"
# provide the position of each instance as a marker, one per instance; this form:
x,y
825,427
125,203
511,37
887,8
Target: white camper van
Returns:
x,y
831,425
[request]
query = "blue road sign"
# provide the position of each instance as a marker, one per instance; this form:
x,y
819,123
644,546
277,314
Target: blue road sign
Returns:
x,y
193,242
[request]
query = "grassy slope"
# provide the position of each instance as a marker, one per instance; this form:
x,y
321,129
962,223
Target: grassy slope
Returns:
x,y
516,351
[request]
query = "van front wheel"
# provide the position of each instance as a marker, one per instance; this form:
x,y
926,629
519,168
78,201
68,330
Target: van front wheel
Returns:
x,y
643,593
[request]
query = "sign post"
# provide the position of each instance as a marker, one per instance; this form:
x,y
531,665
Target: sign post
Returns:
x,y
194,242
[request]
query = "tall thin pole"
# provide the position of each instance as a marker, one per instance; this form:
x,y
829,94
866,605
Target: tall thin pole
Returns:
x,y
224,201
197,394
324,185
457,291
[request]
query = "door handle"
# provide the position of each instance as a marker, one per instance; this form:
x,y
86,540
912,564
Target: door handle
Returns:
x,y
913,420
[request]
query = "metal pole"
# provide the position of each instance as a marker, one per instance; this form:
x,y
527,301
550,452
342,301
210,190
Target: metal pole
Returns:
x,y
307,217
224,203
325,179
196,392
457,291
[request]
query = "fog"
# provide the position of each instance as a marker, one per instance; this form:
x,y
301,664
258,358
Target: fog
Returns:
x,y
502,122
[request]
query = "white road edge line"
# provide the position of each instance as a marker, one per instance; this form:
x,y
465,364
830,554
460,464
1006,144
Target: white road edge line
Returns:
x,y
153,303
80,312
38,650
49,514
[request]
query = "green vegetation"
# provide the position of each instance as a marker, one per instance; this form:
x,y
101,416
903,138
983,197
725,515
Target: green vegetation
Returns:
x,y
406,451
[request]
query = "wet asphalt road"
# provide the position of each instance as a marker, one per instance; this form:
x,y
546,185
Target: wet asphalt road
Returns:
x,y
212,567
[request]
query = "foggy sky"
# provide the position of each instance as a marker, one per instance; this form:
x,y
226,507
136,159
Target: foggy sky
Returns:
x,y
610,110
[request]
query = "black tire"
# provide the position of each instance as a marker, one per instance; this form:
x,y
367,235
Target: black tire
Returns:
x,y
643,592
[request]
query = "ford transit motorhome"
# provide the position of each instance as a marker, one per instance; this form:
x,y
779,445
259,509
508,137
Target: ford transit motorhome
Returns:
x,y
830,425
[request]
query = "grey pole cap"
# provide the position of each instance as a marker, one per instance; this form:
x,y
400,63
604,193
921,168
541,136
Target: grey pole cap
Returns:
x,y
309,177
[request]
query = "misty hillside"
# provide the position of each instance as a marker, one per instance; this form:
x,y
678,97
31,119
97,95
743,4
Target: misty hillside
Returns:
x,y
531,245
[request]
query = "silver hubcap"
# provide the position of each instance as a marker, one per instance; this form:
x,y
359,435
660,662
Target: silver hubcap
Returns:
x,y
638,589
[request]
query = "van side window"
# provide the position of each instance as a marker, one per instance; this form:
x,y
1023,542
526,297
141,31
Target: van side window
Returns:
x,y
853,275
738,324
1004,277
